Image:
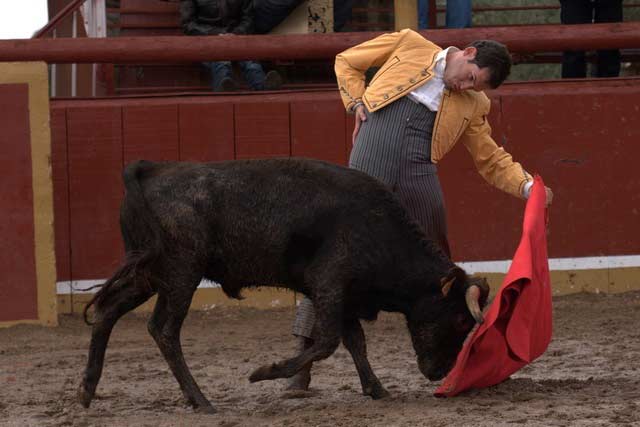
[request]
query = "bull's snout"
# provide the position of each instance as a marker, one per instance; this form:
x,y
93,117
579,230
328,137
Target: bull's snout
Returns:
x,y
431,371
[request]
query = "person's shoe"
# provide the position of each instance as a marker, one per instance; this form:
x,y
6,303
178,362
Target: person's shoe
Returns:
x,y
273,80
227,85
300,381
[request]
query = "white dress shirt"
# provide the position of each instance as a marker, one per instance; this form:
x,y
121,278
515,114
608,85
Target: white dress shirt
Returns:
x,y
430,93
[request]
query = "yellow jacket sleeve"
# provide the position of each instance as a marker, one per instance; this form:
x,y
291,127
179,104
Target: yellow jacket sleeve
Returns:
x,y
351,65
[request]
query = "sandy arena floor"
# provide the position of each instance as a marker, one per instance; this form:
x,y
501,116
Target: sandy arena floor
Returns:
x,y
589,376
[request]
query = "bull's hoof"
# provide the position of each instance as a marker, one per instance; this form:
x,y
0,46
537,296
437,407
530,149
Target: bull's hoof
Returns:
x,y
376,391
84,396
265,372
205,409
300,381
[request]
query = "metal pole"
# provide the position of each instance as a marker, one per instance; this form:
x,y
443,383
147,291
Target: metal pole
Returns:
x,y
138,50
54,73
406,14
71,7
74,66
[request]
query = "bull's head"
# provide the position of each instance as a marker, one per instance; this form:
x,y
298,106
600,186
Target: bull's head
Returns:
x,y
440,323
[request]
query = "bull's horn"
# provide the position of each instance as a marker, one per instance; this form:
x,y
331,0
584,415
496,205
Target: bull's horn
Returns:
x,y
472,296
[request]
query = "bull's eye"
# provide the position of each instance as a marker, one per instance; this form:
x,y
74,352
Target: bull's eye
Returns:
x,y
463,322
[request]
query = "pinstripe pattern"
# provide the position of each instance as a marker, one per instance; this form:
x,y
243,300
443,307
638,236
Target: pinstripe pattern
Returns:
x,y
394,145
305,317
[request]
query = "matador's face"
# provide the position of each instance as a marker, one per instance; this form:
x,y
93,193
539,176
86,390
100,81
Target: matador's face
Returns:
x,y
461,74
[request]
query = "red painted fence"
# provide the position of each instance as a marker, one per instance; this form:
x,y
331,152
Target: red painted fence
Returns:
x,y
18,262
581,136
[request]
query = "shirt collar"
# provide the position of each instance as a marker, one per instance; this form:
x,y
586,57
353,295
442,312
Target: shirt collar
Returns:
x,y
441,62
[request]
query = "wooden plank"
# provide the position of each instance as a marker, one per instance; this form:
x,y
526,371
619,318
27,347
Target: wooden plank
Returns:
x,y
613,126
60,175
206,132
149,32
262,130
317,130
150,132
167,76
149,5
148,21
95,187
564,137
18,282
143,19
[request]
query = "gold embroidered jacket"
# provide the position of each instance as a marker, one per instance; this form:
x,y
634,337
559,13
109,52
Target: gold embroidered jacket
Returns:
x,y
406,61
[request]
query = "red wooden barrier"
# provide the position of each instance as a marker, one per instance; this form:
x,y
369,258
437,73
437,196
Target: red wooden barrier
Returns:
x,y
150,132
578,135
95,187
60,175
18,282
206,132
262,129
317,130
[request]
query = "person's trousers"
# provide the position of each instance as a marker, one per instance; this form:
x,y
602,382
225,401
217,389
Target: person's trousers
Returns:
x,y
394,146
574,63
251,71
267,14
458,14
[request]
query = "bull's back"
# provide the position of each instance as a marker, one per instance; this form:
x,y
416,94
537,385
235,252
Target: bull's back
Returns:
x,y
251,209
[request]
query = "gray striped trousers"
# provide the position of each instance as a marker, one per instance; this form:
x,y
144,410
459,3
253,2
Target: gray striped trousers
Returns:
x,y
394,146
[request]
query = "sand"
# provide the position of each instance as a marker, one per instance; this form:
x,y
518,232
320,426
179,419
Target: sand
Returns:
x,y
589,376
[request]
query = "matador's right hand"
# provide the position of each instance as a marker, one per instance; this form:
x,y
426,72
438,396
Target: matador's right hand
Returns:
x,y
361,116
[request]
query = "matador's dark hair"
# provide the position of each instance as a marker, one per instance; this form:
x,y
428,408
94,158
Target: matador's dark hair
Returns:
x,y
494,55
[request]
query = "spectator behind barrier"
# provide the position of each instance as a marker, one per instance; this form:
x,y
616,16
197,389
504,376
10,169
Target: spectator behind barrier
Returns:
x,y
458,14
574,63
270,13
226,18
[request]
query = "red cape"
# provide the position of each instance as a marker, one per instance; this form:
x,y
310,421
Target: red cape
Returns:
x,y
517,326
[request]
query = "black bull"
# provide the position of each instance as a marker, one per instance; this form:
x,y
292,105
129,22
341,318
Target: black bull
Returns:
x,y
331,233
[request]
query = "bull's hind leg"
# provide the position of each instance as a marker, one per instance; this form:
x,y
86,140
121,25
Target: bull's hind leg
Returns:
x,y
326,333
354,340
124,297
164,326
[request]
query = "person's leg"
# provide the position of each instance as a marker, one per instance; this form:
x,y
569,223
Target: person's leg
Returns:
x,y
574,64
377,153
341,14
458,13
253,73
302,330
419,187
221,75
608,62
423,14
269,13
422,197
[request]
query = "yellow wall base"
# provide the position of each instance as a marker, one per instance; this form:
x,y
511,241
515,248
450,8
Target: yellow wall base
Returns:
x,y
203,299
562,283
573,281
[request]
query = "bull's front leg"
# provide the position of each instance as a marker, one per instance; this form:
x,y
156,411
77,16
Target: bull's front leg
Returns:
x,y
354,340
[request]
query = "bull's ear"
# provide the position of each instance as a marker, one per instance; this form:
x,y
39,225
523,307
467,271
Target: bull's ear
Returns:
x,y
447,282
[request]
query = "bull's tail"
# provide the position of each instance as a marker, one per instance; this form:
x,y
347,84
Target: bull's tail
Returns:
x,y
142,233
131,273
